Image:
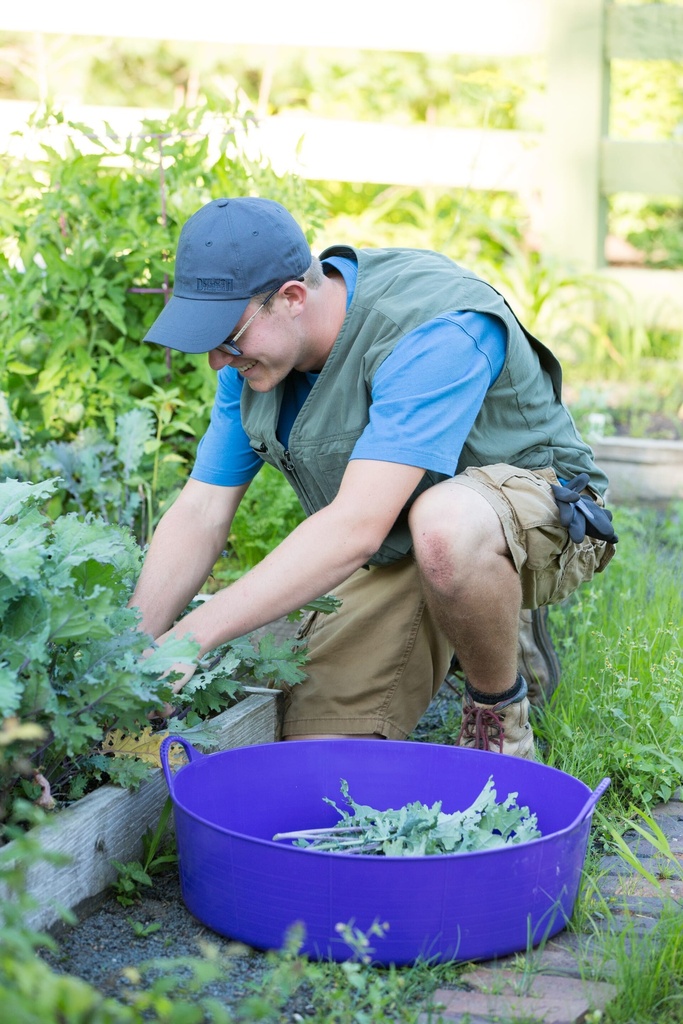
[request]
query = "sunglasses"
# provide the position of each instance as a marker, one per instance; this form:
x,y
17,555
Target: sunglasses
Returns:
x,y
230,344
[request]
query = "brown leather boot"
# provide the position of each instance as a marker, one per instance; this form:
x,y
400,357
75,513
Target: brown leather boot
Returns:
x,y
502,727
537,659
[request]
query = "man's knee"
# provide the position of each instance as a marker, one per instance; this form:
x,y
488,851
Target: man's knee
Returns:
x,y
453,526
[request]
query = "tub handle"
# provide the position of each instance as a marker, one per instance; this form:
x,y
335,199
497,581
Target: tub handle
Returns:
x,y
590,803
192,755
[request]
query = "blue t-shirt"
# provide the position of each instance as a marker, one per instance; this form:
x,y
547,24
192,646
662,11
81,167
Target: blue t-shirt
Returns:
x,y
425,397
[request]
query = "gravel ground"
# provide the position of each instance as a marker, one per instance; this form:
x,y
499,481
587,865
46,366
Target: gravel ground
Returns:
x,y
105,942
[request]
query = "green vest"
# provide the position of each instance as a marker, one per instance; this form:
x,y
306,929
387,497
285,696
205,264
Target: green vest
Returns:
x,y
522,421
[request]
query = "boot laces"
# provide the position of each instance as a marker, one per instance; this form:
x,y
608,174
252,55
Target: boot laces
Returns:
x,y
482,725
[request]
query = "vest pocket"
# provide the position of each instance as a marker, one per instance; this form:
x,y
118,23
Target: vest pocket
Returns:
x,y
322,466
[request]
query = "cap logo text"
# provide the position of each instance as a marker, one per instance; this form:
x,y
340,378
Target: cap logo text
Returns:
x,y
214,284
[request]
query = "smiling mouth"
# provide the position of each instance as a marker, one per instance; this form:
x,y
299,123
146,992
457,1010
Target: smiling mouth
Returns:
x,y
247,366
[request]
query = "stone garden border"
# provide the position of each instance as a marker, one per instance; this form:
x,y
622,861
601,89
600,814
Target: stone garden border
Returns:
x,y
640,469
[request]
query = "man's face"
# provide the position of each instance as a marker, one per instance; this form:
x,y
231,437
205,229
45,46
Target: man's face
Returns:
x,y
267,347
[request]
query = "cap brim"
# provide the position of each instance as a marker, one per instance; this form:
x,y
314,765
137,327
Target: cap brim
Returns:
x,y
195,325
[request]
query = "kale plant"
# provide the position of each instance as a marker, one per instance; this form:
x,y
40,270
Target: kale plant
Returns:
x,y
71,653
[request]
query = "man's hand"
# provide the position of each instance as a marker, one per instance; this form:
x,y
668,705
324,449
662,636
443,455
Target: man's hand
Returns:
x,y
185,670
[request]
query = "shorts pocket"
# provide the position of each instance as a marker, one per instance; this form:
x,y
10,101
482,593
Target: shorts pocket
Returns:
x,y
550,565
576,564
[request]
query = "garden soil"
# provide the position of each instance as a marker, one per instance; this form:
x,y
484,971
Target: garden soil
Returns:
x,y
104,943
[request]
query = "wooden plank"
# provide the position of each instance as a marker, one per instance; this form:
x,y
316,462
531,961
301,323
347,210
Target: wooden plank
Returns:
x,y
258,719
652,168
109,823
416,155
574,210
340,150
644,32
489,27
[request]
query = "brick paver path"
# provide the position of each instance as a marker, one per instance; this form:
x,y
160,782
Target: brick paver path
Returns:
x,y
549,985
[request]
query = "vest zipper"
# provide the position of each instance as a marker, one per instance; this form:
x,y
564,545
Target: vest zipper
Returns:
x,y
288,466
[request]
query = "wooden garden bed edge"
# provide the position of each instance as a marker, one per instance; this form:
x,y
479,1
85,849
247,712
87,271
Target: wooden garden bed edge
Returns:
x,y
109,823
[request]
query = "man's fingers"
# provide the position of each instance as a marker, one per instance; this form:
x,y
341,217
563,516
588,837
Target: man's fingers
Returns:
x,y
161,714
187,672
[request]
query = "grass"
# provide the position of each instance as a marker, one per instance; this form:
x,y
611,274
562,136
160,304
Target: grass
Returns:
x,y
644,962
619,713
619,710
649,974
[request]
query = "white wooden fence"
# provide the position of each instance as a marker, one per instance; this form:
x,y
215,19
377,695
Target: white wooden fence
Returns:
x,y
572,167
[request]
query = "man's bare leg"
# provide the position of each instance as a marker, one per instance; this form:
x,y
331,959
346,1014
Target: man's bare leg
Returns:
x,y
474,594
470,583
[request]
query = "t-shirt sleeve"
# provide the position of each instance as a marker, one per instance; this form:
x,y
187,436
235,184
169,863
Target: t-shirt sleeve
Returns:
x,y
427,393
224,455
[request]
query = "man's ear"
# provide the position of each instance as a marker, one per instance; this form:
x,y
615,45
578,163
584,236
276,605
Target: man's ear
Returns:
x,y
295,294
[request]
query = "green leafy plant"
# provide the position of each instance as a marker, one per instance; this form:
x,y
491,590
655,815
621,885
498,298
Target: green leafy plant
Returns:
x,y
416,830
71,654
117,479
75,668
89,229
268,660
142,930
158,854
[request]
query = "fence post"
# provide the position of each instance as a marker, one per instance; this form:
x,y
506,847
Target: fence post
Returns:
x,y
574,210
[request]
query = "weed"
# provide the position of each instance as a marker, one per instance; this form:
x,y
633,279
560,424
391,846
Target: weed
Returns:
x,y
668,865
143,931
157,857
648,973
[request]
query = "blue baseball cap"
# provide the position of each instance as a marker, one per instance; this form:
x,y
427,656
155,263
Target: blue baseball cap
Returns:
x,y
228,251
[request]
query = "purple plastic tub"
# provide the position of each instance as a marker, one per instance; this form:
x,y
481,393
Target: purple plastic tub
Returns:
x,y
467,906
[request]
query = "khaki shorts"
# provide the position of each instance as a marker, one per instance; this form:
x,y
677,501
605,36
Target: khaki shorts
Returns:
x,y
377,662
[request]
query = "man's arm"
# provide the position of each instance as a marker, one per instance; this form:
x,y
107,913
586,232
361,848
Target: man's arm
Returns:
x,y
316,557
185,547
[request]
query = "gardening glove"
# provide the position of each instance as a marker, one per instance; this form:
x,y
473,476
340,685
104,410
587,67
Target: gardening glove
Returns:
x,y
580,515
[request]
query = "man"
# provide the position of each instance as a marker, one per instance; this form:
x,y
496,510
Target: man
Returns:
x,y
423,431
